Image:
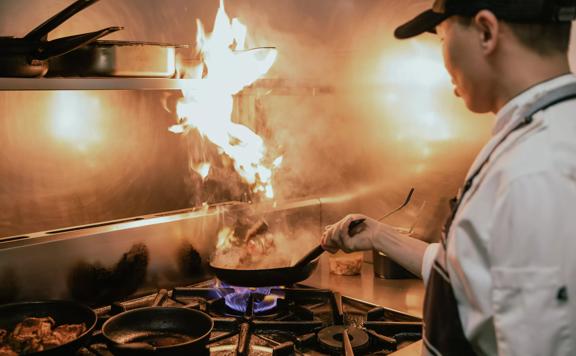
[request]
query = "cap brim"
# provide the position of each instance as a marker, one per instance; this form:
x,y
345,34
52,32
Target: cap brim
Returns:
x,y
425,22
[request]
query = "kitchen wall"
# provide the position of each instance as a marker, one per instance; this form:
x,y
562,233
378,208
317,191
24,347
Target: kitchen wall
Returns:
x,y
363,114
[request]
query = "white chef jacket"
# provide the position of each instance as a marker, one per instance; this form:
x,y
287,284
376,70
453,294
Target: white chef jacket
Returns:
x,y
511,251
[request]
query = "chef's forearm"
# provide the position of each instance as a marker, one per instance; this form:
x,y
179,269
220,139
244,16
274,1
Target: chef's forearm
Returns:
x,y
407,251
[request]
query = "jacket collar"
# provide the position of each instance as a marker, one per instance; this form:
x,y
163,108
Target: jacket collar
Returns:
x,y
513,111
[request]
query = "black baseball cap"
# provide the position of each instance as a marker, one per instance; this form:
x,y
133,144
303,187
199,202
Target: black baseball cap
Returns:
x,y
527,11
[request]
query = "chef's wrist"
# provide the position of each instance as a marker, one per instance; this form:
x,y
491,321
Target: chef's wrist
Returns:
x,y
384,235
380,233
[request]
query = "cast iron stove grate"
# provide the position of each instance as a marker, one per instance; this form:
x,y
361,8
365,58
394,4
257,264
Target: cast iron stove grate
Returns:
x,y
301,321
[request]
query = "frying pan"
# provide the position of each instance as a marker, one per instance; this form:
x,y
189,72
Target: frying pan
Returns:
x,y
287,275
63,312
158,330
272,276
27,56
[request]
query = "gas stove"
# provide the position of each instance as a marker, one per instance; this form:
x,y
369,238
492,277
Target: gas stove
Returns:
x,y
296,320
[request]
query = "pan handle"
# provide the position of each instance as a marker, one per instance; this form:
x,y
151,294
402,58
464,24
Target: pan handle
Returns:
x,y
160,297
356,227
64,45
40,32
310,256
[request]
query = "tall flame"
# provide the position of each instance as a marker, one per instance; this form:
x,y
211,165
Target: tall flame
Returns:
x,y
228,68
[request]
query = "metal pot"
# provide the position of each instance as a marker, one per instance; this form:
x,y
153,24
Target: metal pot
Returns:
x,y
384,267
27,56
117,59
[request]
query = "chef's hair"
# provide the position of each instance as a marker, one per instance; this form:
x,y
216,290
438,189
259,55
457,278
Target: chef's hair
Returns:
x,y
549,38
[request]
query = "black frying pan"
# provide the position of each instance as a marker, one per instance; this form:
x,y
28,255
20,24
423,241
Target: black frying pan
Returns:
x,y
27,56
158,330
63,312
272,276
281,276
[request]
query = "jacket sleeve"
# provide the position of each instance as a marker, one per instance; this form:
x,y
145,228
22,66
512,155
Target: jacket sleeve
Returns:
x,y
428,260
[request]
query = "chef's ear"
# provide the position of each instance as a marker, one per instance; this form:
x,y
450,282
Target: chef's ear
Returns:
x,y
487,27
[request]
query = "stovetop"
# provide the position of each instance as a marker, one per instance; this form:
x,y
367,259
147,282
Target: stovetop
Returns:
x,y
296,320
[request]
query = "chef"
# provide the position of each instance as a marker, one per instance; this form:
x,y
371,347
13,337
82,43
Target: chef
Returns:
x,y
502,279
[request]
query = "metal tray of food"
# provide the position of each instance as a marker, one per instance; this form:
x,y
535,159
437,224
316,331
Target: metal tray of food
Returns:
x,y
117,59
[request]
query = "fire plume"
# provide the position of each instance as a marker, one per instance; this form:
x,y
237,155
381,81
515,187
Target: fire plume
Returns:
x,y
228,67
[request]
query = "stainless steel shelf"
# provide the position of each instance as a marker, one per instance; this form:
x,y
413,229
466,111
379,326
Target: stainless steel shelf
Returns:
x,y
19,84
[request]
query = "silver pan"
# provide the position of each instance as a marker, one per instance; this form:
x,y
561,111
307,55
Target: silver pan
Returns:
x,y
117,59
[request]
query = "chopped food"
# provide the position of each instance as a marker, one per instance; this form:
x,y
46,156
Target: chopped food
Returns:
x,y
33,327
37,334
245,230
68,332
257,253
346,265
7,351
249,242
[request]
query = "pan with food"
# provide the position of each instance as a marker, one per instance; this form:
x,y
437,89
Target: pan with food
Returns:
x,y
46,328
268,277
255,252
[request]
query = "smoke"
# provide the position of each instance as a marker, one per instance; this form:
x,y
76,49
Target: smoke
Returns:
x,y
329,116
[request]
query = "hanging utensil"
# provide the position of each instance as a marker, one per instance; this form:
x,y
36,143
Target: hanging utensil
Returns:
x,y
357,226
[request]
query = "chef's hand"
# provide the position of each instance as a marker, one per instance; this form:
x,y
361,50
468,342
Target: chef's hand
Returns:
x,y
336,236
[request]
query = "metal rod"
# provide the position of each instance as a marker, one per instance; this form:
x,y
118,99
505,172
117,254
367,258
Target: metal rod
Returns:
x,y
310,256
222,337
290,326
243,346
348,351
357,226
406,201
337,310
42,30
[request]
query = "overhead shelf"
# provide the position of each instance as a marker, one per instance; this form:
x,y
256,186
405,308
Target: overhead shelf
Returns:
x,y
7,84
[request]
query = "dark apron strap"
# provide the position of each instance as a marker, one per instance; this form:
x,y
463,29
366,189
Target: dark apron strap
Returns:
x,y
443,331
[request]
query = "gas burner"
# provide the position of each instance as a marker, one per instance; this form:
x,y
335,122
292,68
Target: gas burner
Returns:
x,y
263,300
237,299
332,338
278,311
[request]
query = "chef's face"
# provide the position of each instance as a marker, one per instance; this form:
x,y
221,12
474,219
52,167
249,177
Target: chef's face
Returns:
x,y
465,62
